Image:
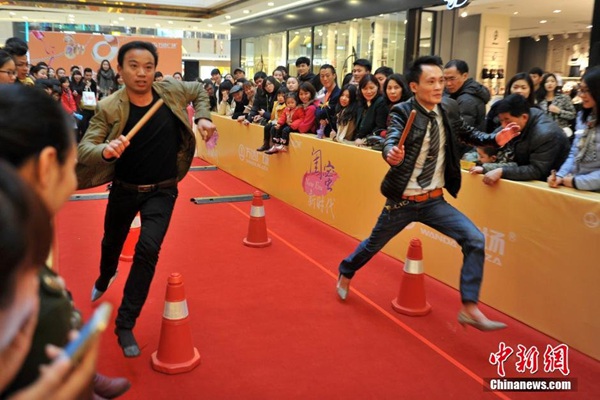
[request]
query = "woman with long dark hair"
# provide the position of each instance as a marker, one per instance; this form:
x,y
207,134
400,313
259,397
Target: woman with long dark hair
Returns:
x,y
521,84
372,120
558,106
581,170
106,79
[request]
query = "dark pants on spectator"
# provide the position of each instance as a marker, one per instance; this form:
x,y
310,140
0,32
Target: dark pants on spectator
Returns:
x,y
155,209
439,215
282,135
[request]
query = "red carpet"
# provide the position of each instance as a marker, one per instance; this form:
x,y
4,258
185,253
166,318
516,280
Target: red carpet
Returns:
x,y
268,324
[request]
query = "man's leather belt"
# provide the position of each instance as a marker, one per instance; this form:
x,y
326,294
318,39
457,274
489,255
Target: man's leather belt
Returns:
x,y
147,188
425,196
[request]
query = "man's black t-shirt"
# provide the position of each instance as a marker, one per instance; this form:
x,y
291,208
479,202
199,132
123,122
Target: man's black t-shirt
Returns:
x,y
152,154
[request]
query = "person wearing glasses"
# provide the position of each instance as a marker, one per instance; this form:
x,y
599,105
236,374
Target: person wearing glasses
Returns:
x,y
8,72
581,170
18,49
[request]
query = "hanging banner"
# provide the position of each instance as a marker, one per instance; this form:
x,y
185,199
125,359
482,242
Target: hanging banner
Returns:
x,y
59,49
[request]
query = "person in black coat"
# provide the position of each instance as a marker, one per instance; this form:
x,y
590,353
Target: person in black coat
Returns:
x,y
427,162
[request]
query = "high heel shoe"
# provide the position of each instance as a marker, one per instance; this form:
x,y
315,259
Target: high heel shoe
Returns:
x,y
484,326
343,286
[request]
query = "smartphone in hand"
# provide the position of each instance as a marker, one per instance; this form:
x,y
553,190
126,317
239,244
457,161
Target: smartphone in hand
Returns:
x,y
75,349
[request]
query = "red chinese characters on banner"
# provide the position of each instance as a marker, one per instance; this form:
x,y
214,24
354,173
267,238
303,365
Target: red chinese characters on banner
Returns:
x,y
555,359
500,357
527,359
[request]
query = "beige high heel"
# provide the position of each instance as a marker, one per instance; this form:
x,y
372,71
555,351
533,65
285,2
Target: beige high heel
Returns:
x,y
485,326
343,286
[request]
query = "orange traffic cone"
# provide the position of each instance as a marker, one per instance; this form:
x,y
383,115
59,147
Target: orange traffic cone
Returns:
x,y
176,352
132,239
411,299
257,230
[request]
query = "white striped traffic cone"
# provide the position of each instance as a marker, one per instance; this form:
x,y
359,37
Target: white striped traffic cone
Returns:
x,y
176,352
257,230
411,298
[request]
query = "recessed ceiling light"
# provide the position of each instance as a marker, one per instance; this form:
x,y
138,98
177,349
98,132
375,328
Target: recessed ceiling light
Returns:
x,y
590,26
246,11
12,13
543,21
296,33
170,22
210,25
71,16
121,19
464,14
429,19
557,11
25,18
158,25
228,17
194,27
270,4
516,13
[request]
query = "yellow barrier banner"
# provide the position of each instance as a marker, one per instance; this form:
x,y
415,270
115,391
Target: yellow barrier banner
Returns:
x,y
542,244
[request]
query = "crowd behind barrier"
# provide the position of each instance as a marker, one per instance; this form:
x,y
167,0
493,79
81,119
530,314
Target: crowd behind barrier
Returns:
x,y
540,255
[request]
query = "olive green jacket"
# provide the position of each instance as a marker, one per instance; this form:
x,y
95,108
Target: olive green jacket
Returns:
x,y
110,119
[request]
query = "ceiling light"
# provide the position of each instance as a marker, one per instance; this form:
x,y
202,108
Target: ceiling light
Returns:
x,y
246,11
121,19
170,22
589,26
210,25
228,17
12,13
536,38
550,37
71,16
464,14
556,11
543,21
158,25
25,18
429,19
516,13
195,27
270,4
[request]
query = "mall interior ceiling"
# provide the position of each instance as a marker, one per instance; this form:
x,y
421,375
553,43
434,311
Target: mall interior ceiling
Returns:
x,y
528,18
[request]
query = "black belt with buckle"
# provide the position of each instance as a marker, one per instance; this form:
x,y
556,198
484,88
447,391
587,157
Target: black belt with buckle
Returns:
x,y
146,188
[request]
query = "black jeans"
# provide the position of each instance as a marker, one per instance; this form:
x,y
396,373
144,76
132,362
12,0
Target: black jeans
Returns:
x,y
155,209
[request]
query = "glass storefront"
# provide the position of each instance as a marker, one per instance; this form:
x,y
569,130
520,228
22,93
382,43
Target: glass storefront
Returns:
x,y
380,39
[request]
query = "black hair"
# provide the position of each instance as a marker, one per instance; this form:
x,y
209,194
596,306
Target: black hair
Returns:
x,y
16,46
63,79
274,81
59,68
592,79
308,87
415,69
36,69
260,74
292,95
541,93
399,79
490,151
137,45
26,233
363,82
363,62
215,71
235,71
158,74
536,71
302,60
461,66
5,57
282,69
387,71
515,104
283,90
522,76
351,111
87,69
75,67
22,137
328,66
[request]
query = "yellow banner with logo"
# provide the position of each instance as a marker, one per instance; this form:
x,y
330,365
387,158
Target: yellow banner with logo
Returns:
x,y
542,244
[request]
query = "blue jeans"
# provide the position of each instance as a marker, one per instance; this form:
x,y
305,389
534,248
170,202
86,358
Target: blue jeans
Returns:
x,y
439,215
155,209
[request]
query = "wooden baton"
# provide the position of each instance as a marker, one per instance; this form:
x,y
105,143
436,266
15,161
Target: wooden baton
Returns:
x,y
407,128
144,119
